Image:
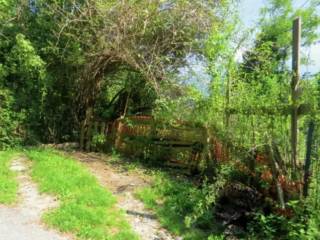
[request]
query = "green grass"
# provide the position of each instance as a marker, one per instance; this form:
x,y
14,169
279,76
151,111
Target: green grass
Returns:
x,y
86,208
8,182
176,202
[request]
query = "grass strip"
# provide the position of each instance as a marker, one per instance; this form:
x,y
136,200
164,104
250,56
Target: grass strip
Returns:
x,y
8,182
176,203
86,208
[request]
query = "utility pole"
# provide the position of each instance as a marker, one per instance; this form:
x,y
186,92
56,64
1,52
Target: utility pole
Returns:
x,y
296,35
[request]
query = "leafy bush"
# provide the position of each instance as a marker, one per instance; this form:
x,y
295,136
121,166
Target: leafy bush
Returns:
x,y
182,207
277,226
313,229
267,227
9,121
98,140
26,79
22,89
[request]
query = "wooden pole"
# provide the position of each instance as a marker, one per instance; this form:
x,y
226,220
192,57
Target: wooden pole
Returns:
x,y
296,34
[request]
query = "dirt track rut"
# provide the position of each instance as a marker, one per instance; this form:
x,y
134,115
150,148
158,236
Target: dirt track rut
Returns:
x,y
123,184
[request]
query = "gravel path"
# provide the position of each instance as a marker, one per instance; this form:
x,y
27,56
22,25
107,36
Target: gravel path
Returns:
x,y
22,222
123,184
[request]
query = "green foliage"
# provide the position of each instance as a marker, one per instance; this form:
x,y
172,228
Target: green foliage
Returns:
x,y
9,121
181,207
250,101
124,90
26,74
176,103
98,140
301,224
55,56
58,59
87,209
267,227
312,232
8,183
217,237
23,61
22,75
276,22
278,227
313,201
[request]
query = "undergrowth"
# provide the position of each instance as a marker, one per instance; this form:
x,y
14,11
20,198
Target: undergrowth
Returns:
x,y
181,207
188,211
86,208
8,182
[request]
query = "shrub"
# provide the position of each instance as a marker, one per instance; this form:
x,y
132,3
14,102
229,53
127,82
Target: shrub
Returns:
x,y
9,121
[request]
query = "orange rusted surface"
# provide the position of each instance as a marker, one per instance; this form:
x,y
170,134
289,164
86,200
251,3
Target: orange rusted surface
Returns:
x,y
220,152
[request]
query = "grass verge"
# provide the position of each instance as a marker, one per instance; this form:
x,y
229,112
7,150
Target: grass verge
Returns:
x,y
178,206
86,208
8,182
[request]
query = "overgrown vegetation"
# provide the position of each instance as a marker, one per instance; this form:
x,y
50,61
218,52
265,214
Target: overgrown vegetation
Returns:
x,y
8,182
86,208
72,70
183,208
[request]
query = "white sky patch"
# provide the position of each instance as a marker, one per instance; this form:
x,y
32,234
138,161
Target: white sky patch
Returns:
x,y
239,54
314,53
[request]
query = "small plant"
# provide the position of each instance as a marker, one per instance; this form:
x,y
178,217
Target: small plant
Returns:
x,y
276,226
115,156
98,140
216,237
181,207
313,228
266,227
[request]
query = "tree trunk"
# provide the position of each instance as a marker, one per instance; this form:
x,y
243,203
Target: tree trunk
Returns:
x,y
82,134
88,123
207,152
275,175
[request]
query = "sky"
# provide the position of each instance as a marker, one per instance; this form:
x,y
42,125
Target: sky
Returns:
x,y
249,14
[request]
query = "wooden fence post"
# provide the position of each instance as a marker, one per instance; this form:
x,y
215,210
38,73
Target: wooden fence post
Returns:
x,y
118,134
